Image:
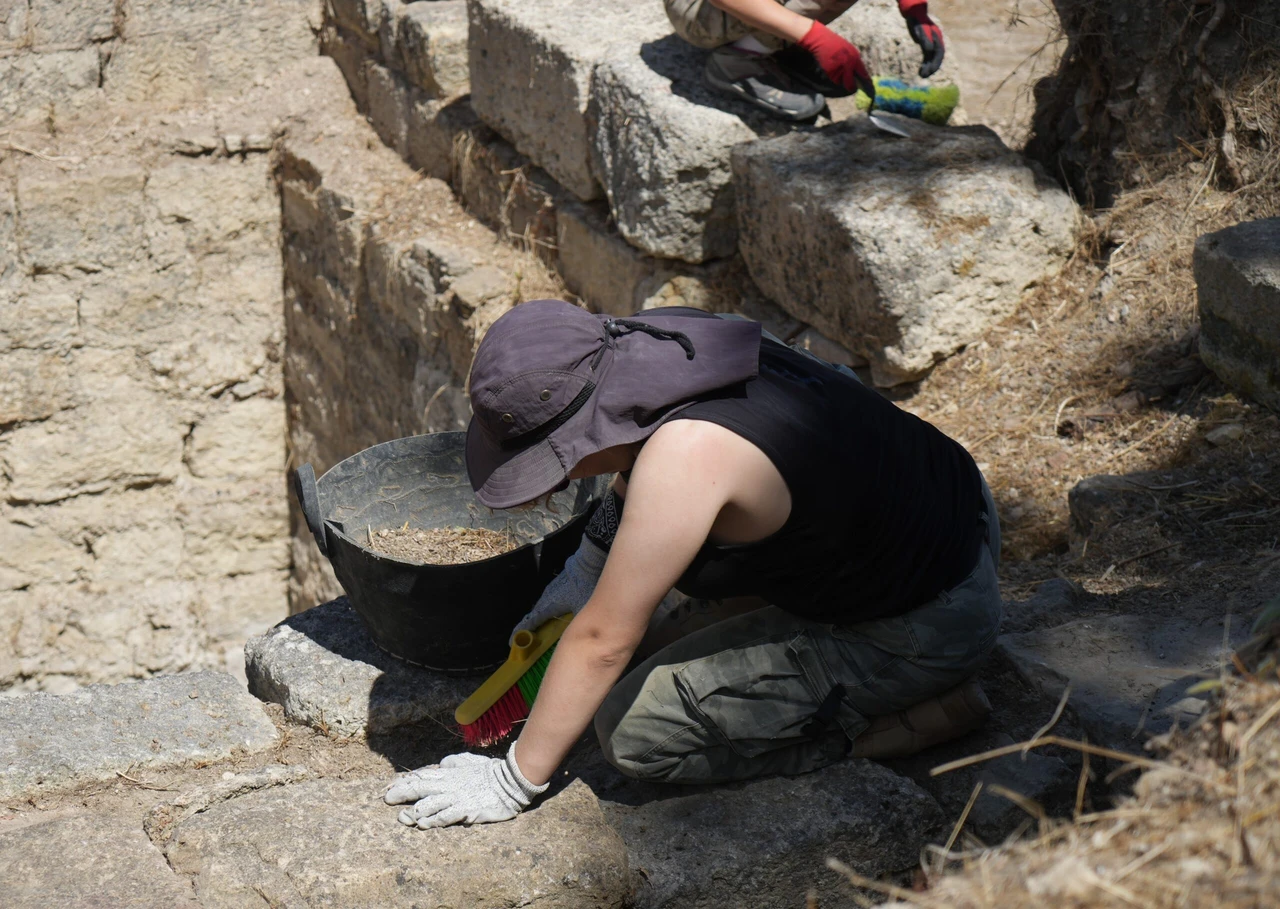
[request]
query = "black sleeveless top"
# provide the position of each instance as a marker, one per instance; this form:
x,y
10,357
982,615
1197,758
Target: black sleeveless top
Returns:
x,y
884,507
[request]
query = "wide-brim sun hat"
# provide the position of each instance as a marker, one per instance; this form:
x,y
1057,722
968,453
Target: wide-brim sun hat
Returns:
x,y
553,383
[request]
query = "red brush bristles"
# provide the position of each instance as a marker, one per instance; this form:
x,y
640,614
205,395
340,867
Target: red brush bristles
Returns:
x,y
496,723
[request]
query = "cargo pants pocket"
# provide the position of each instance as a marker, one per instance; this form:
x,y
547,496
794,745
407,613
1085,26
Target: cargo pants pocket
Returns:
x,y
757,697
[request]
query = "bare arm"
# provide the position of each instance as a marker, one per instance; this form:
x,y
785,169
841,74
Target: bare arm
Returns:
x,y
676,491
768,16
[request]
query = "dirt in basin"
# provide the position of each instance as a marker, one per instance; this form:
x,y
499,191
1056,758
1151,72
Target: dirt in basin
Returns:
x,y
442,545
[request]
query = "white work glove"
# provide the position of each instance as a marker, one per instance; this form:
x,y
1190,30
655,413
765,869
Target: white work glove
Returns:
x,y
464,789
570,589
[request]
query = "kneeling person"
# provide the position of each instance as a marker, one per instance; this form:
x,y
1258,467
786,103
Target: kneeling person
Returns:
x,y
745,469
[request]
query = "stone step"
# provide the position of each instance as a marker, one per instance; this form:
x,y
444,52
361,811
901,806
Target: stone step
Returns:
x,y
902,250
336,844
1128,674
58,741
86,860
324,669
1238,286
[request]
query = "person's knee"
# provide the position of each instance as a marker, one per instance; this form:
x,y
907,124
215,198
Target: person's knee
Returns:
x,y
631,755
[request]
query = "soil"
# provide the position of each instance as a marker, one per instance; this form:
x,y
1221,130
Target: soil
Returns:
x,y
444,545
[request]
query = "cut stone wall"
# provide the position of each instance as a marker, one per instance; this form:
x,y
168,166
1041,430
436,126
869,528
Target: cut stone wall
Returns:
x,y
142,494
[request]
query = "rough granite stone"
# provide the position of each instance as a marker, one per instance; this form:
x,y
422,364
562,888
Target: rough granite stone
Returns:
x,y
902,250
433,45
1100,501
1037,776
336,844
86,861
1127,673
324,669
56,741
531,69
660,143
1238,285
764,842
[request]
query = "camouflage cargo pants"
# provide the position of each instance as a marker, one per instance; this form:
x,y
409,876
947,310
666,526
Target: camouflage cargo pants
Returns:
x,y
703,25
736,700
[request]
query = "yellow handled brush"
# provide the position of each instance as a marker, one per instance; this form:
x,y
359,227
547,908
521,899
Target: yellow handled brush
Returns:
x,y
507,696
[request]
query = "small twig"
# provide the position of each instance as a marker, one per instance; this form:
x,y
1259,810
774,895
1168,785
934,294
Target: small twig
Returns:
x,y
964,816
1082,785
1077,746
143,785
1057,714
1143,555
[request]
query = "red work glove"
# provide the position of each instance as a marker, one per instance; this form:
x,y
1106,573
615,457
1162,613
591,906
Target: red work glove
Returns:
x,y
925,32
839,59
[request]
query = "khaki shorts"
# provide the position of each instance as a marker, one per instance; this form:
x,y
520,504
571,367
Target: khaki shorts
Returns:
x,y
703,25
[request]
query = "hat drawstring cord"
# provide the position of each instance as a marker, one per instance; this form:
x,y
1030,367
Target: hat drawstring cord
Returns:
x,y
618,327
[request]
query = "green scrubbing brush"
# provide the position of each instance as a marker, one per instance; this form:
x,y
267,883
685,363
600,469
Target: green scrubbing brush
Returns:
x,y
930,103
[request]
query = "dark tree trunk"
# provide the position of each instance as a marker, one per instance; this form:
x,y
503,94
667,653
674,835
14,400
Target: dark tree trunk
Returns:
x,y
1139,76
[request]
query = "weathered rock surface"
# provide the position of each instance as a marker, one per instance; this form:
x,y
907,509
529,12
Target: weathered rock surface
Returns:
x,y
1101,501
433,45
531,70
86,861
764,842
1238,285
1037,776
161,821
58,741
1055,601
335,844
902,250
660,145
324,669
1127,673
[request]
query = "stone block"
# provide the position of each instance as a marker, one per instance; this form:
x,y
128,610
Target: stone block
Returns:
x,y
70,24
388,105
92,217
660,144
8,237
765,842
230,529
1098,502
531,70
614,277
177,51
128,436
1127,673
244,442
433,46
34,385
146,552
166,721
15,24
336,844
323,668
215,200
39,320
1040,777
36,555
86,860
1238,285
900,250
58,84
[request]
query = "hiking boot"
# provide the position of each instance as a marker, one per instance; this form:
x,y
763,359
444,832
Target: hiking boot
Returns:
x,y
939,719
758,80
800,67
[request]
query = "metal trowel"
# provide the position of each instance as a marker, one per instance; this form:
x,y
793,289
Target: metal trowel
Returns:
x,y
883,123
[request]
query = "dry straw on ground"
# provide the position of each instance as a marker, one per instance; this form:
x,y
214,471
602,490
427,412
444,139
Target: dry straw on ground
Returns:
x,y
1202,827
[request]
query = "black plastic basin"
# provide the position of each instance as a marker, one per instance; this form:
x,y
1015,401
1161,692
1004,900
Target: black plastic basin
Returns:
x,y
451,618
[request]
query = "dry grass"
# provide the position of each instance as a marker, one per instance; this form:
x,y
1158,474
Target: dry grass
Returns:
x,y
1201,829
